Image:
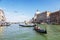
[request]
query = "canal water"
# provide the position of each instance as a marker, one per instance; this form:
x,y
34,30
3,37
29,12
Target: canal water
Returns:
x,y
16,32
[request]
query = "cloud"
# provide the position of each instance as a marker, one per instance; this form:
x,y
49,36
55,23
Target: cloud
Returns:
x,y
17,18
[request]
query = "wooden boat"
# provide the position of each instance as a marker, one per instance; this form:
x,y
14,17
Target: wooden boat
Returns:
x,y
40,31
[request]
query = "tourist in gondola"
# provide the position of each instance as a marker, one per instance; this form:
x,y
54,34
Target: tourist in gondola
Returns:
x,y
37,28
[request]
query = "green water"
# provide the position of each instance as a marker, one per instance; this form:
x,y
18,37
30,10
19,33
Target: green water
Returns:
x,y
16,32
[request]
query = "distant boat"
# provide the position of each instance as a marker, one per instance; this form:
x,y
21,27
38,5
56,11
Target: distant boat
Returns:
x,y
40,30
5,24
8,24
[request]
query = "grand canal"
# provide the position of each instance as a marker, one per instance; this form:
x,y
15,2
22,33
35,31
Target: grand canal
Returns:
x,y
16,32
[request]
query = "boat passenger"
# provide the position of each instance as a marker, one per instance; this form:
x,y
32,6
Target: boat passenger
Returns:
x,y
36,27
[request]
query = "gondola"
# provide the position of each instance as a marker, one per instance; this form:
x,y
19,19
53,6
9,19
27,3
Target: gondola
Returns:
x,y
40,31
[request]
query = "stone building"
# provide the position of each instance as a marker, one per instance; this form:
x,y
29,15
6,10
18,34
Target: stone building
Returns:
x,y
2,17
35,18
41,17
55,17
44,17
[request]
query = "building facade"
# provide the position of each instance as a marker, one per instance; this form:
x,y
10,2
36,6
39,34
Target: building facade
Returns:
x,y
44,17
41,17
2,16
35,18
47,17
55,17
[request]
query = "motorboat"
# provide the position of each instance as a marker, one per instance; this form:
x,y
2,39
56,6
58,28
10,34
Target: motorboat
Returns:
x,y
27,25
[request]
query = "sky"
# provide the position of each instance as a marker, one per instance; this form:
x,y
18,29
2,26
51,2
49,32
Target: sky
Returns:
x,y
20,10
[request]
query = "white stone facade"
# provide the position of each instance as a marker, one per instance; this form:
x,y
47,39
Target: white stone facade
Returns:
x,y
2,16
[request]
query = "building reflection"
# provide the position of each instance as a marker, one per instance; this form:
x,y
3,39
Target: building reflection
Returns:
x,y
1,29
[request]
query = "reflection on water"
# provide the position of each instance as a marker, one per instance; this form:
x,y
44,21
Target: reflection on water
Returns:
x,y
1,30
16,32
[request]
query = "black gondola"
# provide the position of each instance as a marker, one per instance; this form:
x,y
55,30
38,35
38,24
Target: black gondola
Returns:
x,y
41,31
